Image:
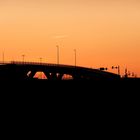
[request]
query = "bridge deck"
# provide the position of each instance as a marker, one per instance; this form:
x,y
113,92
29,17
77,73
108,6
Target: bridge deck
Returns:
x,y
77,72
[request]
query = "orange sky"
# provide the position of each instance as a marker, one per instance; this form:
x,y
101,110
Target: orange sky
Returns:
x,y
104,32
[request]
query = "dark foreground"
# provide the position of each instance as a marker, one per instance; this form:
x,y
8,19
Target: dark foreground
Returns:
x,y
71,86
71,93
65,101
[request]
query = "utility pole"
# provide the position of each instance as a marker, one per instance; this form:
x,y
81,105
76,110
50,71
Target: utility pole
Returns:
x,y
126,74
118,70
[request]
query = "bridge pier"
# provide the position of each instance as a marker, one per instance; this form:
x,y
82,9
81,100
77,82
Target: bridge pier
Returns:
x,y
54,76
47,75
59,76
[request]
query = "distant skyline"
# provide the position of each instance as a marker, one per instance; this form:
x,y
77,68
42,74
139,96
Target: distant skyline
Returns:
x,y
105,33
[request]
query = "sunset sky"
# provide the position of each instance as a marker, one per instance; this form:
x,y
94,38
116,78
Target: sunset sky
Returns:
x,y
104,33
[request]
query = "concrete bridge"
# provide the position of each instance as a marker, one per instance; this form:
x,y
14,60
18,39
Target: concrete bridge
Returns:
x,y
26,70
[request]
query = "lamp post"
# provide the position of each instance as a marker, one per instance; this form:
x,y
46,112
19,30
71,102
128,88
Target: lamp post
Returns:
x,y
57,54
3,57
75,57
40,60
23,57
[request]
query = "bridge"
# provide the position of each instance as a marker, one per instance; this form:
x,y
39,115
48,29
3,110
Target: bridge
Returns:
x,y
16,70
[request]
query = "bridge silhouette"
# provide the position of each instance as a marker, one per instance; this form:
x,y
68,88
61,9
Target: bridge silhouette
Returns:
x,y
17,70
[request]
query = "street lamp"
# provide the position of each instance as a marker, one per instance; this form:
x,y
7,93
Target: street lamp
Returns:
x,y
23,56
75,57
3,57
57,54
40,60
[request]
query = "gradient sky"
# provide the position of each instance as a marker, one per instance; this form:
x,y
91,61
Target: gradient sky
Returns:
x,y
104,32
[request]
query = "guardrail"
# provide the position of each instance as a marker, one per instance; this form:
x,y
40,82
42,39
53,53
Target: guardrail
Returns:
x,y
36,63
44,64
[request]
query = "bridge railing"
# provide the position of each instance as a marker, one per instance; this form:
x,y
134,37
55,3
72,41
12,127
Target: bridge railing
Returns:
x,y
34,63
45,64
